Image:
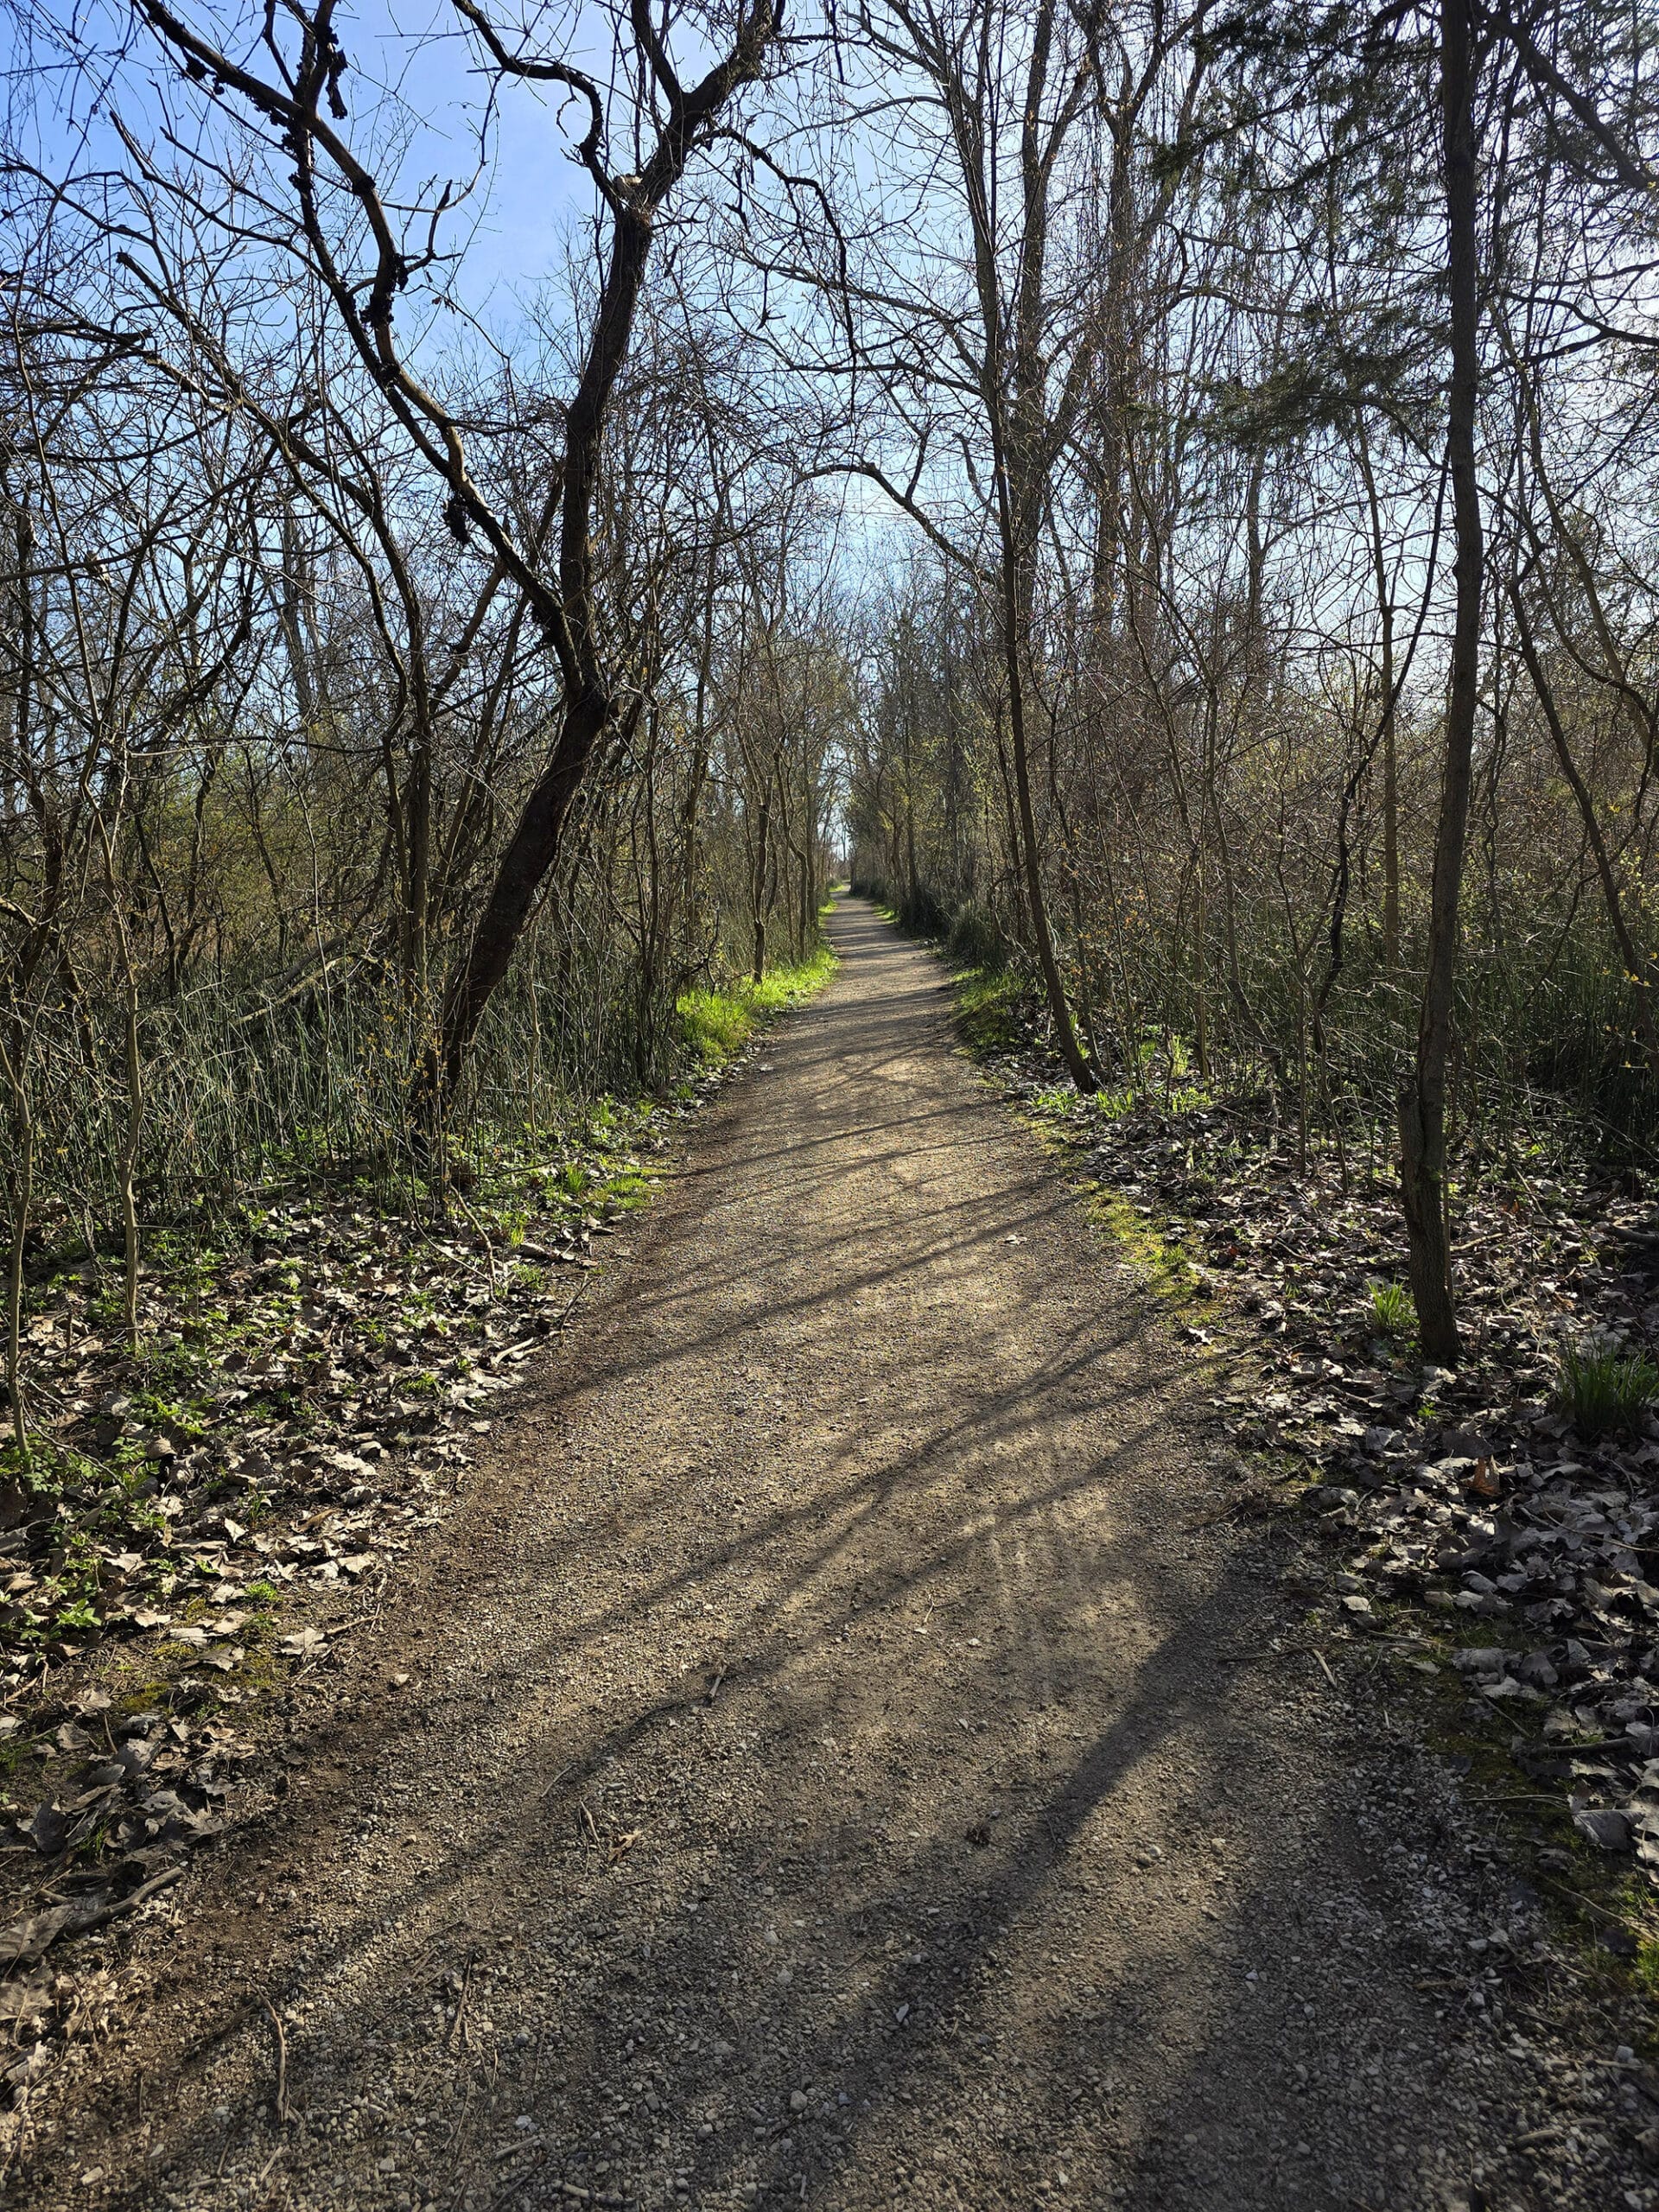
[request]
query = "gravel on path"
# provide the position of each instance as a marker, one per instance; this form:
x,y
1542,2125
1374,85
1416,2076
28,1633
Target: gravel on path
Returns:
x,y
823,1762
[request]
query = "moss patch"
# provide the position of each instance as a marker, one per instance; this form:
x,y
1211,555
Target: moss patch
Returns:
x,y
1159,1260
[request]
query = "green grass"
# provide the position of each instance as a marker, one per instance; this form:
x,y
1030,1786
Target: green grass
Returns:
x,y
1392,1309
1602,1388
988,1008
716,1025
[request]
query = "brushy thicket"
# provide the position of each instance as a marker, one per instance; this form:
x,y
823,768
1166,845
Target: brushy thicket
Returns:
x,y
1261,964
262,744
246,1089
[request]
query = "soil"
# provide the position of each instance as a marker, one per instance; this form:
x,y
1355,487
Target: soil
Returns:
x,y
837,1755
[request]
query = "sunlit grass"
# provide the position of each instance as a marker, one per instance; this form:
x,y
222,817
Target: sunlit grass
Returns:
x,y
988,1008
716,1025
1392,1309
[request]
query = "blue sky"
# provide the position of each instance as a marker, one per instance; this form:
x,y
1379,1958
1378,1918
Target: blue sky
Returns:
x,y
412,48
535,190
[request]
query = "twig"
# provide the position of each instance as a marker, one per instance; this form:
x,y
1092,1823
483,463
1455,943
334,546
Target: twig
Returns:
x,y
483,1237
263,2174
282,2070
142,1895
457,2026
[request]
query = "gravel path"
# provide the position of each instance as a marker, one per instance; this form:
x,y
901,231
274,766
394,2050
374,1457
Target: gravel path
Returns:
x,y
833,1769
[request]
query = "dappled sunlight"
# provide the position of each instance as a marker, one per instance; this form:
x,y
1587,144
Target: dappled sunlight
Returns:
x,y
833,1767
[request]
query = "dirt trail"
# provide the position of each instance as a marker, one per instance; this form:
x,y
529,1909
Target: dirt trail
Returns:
x,y
832,1773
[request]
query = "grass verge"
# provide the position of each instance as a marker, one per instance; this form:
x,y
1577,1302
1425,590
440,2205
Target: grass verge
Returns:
x,y
716,1025
988,1008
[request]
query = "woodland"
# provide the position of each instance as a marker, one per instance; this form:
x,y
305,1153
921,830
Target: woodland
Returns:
x,y
1163,499
506,507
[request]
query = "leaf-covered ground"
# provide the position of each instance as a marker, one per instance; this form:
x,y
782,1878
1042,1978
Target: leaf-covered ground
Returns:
x,y
199,1521
1482,1535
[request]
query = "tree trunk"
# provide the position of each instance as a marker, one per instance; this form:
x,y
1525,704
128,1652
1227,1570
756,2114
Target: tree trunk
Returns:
x,y
757,885
1387,729
530,853
21,1195
572,617
1422,1095
1637,966
1053,984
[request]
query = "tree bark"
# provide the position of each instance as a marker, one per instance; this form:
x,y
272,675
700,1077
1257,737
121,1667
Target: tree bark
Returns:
x,y
1423,1094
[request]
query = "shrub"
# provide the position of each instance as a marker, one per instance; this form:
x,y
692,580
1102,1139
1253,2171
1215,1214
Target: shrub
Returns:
x,y
975,939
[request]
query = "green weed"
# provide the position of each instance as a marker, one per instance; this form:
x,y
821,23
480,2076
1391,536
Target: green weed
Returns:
x,y
1602,1387
1392,1309
716,1025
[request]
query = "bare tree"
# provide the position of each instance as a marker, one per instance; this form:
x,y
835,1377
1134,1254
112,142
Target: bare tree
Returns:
x,y
349,241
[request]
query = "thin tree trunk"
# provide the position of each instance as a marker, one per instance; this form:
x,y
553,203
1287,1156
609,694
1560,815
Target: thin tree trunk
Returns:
x,y
1054,985
1637,966
134,1074
23,1192
1388,731
758,884
1423,1094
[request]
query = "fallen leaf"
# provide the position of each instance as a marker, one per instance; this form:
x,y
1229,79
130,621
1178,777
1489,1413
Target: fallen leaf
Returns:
x,y
46,1828
28,1939
1608,1829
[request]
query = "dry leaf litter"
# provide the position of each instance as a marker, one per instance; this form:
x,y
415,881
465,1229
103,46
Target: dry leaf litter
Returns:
x,y
1489,1541
211,1518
